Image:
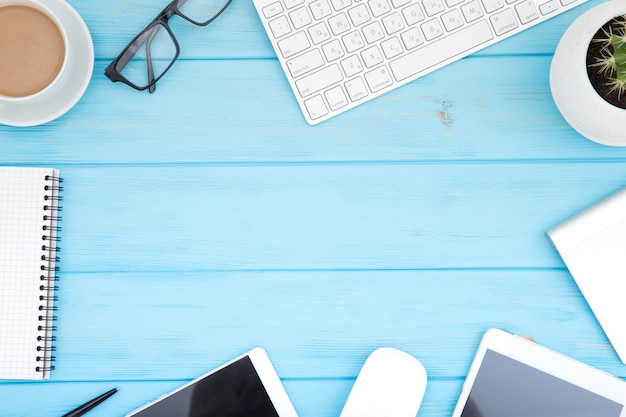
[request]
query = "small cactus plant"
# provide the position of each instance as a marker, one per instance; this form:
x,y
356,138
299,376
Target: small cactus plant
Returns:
x,y
606,61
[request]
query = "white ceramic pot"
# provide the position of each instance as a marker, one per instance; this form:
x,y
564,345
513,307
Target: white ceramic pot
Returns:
x,y
575,97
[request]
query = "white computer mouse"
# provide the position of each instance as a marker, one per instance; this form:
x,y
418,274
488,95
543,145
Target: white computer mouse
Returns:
x,y
390,384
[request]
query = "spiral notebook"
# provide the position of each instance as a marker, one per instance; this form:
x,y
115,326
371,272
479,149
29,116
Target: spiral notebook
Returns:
x,y
29,209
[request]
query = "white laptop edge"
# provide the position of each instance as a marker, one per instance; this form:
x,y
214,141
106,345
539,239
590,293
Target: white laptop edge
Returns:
x,y
593,246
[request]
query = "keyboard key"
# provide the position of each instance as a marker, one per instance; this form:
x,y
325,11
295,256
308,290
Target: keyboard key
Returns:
x,y
319,80
356,89
306,62
439,51
472,11
452,20
341,4
504,21
272,10
293,44
280,26
336,98
373,32
433,7
399,3
432,29
372,56
300,18
452,3
359,15
333,50
316,107
351,65
413,14
378,79
526,11
492,5
320,9
353,41
339,24
549,7
319,33
393,23
391,47
412,38
379,7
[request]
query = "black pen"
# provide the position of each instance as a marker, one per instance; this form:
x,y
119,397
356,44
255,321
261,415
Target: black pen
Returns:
x,y
90,404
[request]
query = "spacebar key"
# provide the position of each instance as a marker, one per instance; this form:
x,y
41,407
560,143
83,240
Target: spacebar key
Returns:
x,y
439,51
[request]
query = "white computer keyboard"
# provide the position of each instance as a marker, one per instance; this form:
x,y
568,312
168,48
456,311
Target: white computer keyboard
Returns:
x,y
338,54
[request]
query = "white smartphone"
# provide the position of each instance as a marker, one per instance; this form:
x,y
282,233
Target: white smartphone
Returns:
x,y
513,376
247,386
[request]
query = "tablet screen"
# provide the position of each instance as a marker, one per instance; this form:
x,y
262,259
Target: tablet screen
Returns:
x,y
233,391
505,387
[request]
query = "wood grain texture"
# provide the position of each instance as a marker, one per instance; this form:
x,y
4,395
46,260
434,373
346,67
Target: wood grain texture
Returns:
x,y
318,328
320,216
209,218
314,324
223,111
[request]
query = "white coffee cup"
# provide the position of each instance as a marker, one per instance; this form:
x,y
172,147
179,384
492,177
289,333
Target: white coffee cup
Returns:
x,y
30,69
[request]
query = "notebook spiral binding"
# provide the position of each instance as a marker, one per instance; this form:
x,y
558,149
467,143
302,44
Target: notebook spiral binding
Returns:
x,y
49,258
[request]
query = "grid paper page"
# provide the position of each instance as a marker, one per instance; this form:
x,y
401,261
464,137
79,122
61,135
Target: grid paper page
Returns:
x,y
21,230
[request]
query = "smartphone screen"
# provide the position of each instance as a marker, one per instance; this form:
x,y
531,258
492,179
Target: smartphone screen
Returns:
x,y
233,391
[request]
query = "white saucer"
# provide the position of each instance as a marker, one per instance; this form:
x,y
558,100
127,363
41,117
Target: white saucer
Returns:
x,y
72,85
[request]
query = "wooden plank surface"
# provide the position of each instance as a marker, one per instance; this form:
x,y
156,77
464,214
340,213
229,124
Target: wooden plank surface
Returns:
x,y
324,216
209,218
314,324
481,108
318,327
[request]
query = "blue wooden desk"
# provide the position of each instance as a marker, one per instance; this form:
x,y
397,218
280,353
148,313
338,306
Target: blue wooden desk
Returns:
x,y
209,218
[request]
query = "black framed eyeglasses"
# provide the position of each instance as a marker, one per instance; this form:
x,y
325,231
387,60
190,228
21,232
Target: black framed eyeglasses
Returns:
x,y
151,54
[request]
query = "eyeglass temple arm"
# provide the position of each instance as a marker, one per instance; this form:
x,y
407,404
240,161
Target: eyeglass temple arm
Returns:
x,y
151,82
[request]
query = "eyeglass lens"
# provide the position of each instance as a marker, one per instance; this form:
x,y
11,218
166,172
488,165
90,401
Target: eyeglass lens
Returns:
x,y
200,11
151,55
155,49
